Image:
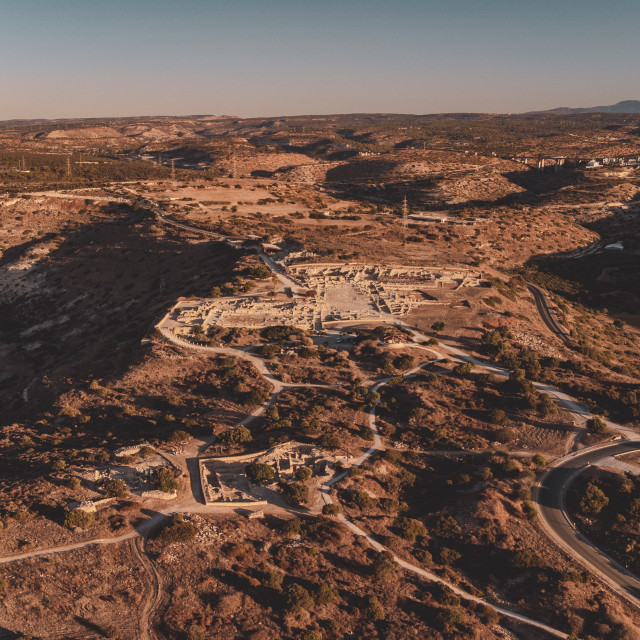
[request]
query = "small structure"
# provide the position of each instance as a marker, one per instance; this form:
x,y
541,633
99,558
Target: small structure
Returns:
x,y
131,450
225,483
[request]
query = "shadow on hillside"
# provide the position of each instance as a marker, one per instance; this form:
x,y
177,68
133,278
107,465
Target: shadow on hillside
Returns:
x,y
15,253
604,279
102,291
536,182
357,180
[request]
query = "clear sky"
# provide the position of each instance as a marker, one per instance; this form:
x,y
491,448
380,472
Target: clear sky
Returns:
x,y
88,58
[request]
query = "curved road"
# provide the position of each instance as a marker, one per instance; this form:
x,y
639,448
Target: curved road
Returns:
x,y
545,313
549,496
379,446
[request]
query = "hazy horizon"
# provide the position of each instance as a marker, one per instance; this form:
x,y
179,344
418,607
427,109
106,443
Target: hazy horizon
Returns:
x,y
80,59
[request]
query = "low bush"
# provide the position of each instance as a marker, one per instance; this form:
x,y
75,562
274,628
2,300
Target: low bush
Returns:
x,y
177,530
80,519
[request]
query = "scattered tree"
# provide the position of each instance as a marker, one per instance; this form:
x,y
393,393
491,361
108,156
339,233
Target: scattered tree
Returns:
x,y
178,530
332,509
303,474
79,518
260,472
384,565
539,460
115,488
594,500
236,435
296,492
410,529
597,425
299,599
165,480
372,609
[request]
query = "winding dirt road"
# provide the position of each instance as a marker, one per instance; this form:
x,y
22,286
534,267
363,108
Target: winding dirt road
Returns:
x,y
549,496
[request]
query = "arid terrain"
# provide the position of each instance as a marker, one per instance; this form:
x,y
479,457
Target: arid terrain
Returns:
x,y
367,376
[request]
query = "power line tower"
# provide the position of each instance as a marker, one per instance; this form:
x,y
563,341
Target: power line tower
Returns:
x,y
68,167
173,169
405,219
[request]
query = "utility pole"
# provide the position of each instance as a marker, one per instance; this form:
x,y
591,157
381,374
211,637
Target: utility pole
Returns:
x,y
173,169
68,166
234,171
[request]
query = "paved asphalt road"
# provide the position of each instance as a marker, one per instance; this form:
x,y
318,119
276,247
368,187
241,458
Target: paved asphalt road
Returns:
x,y
545,313
550,499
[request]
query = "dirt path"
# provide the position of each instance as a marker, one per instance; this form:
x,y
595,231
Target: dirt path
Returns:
x,y
152,601
193,504
378,447
142,530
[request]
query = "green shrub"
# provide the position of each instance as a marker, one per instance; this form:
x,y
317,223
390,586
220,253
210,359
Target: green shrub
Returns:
x,y
274,580
296,492
255,397
410,529
449,556
529,510
594,500
526,559
496,416
504,435
293,526
165,480
362,500
597,425
115,488
331,509
177,530
236,435
448,619
260,472
463,369
546,406
299,599
303,474
324,594
384,566
178,436
539,460
79,518
372,609
195,633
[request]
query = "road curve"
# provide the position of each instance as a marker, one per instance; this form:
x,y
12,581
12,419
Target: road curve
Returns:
x,y
546,495
549,497
545,313
378,446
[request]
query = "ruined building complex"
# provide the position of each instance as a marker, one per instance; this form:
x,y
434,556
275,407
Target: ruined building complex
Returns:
x,y
338,293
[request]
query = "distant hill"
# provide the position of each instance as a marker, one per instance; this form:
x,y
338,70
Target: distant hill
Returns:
x,y
625,106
